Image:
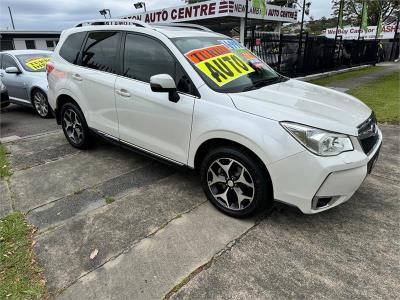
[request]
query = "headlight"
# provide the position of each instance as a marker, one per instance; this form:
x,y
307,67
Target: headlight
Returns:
x,y
319,141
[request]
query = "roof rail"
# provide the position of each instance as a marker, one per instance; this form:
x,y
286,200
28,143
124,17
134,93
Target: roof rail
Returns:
x,y
185,25
113,22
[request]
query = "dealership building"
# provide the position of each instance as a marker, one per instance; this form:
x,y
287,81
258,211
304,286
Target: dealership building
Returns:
x,y
18,40
219,15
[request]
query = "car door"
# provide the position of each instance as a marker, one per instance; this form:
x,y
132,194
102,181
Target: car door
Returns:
x,y
94,80
148,120
15,83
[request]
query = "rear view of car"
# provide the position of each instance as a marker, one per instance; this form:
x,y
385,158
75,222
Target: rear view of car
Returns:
x,y
23,72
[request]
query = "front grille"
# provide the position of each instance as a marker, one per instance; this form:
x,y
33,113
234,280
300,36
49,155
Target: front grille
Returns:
x,y
368,134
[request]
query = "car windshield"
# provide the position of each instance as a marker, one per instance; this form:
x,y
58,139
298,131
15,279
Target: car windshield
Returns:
x,y
34,62
225,65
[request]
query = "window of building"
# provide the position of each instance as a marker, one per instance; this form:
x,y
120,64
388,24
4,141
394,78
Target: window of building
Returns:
x,y
50,44
6,45
30,44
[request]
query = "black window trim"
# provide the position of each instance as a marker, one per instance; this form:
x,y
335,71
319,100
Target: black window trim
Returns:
x,y
122,61
117,65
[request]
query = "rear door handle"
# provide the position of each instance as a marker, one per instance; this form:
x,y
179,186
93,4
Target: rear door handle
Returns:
x,y
123,93
77,77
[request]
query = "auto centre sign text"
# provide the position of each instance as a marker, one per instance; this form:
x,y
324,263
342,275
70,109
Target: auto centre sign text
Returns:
x,y
215,9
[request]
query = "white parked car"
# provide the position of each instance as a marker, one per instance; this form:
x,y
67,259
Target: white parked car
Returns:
x,y
200,99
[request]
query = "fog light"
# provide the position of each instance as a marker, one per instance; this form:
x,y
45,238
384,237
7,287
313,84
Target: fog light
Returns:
x,y
322,202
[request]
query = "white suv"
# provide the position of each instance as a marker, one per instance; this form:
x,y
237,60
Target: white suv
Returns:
x,y
199,99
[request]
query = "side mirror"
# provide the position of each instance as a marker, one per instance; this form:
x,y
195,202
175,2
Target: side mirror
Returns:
x,y
13,70
164,83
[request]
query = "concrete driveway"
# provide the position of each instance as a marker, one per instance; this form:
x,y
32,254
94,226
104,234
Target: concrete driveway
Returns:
x,y
156,235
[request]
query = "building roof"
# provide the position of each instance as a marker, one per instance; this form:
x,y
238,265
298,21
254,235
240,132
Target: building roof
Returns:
x,y
24,32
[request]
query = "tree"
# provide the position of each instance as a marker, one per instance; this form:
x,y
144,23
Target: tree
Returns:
x,y
316,27
353,9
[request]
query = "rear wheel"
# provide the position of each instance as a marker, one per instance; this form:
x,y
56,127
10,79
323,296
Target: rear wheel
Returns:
x,y
74,126
41,105
235,182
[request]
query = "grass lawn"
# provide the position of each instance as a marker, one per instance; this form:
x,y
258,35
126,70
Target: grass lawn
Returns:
x,y
326,81
4,165
20,278
383,96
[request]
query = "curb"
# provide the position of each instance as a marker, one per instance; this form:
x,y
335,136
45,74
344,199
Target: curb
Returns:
x,y
327,74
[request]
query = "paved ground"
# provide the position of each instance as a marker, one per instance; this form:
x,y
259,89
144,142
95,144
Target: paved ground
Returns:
x,y
153,227
347,84
157,235
20,121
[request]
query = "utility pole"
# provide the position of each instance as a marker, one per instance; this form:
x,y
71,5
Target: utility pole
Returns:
x,y
362,13
246,15
12,20
301,31
395,39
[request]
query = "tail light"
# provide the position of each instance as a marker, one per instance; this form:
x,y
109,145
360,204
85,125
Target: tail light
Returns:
x,y
49,67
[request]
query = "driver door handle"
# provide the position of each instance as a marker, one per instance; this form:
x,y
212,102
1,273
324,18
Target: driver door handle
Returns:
x,y
77,77
123,93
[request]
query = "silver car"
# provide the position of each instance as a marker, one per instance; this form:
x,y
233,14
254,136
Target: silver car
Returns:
x,y
23,72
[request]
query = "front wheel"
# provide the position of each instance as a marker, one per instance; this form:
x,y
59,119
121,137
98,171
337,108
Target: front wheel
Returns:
x,y
235,182
74,126
41,105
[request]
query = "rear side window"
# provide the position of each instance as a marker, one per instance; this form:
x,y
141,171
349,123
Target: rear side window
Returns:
x,y
145,57
72,46
101,51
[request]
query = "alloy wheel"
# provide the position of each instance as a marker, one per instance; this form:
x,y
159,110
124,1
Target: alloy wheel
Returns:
x,y
73,126
230,183
41,105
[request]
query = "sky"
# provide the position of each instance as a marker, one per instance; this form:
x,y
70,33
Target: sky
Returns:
x,y
61,14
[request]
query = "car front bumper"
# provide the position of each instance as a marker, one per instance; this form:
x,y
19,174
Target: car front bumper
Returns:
x,y
314,183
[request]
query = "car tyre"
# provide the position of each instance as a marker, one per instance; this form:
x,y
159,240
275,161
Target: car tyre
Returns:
x,y
41,104
74,126
235,182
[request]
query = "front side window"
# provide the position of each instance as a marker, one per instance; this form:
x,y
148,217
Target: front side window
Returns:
x,y
30,44
8,61
71,48
225,65
101,51
34,62
145,57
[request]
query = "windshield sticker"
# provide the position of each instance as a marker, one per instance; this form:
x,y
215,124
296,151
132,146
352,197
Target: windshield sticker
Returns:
x,y
199,55
224,68
37,63
232,44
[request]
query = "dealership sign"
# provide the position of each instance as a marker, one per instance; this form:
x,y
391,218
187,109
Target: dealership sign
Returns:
x,y
351,33
215,9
